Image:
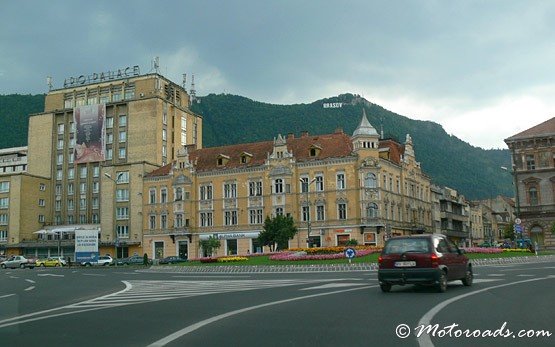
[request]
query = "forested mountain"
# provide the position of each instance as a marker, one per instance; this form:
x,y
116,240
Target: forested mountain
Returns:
x,y
230,119
14,117
451,162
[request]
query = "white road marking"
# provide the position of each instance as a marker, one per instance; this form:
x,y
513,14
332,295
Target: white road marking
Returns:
x,y
496,275
30,288
530,268
208,276
5,296
53,275
335,285
193,327
485,280
30,281
14,277
424,339
525,275
100,275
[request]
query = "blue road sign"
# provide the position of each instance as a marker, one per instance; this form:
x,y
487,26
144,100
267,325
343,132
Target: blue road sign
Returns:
x,y
350,253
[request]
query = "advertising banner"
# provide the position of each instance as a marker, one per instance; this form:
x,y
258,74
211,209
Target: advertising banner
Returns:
x,y
86,245
89,133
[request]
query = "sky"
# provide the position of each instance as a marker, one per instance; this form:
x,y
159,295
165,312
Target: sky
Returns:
x,y
484,70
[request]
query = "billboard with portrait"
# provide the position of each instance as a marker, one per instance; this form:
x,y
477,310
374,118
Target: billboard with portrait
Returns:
x,y
89,133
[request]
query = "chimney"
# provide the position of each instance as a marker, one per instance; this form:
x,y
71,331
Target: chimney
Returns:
x,y
304,133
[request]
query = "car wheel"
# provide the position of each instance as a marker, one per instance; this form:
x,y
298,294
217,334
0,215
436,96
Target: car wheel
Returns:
x,y
3,266
42,265
22,266
385,287
468,277
442,282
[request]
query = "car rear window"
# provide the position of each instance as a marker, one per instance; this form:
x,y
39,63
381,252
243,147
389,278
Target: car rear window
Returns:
x,y
398,246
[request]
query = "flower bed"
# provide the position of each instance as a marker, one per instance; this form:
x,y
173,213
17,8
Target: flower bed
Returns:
x,y
301,255
483,250
334,250
231,259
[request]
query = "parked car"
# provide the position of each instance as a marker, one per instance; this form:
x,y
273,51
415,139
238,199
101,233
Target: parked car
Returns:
x,y
422,259
133,260
18,261
172,260
56,261
103,260
486,244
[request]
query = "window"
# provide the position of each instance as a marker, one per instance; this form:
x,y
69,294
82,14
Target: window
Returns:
x,y
122,213
58,189
95,187
255,188
279,211
42,187
533,196
123,231
230,190
164,221
70,173
230,218
70,189
255,216
178,221
60,144
109,122
41,218
320,214
372,210
304,184
4,202
340,178
82,219
152,222
206,192
342,211
370,239
122,195
122,120
3,219
82,188
4,187
58,205
163,195
95,203
42,203
109,138
206,219
60,159
61,128
164,135
370,180
95,218
305,213
530,162
82,203
319,183
83,172
122,136
122,153
152,196
122,177
59,175
178,194
70,205
3,235
109,153
278,186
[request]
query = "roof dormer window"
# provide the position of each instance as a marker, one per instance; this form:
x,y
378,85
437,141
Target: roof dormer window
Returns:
x,y
315,150
245,158
222,159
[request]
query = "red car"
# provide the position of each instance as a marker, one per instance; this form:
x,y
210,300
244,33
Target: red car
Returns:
x,y
430,259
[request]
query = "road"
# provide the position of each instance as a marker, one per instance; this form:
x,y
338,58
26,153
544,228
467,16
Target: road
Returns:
x,y
132,307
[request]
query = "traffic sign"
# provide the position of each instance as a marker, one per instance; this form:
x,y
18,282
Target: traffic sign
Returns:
x,y
518,228
518,221
350,253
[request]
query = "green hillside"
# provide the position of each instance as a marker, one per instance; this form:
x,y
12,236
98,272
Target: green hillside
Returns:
x,y
230,119
473,171
14,117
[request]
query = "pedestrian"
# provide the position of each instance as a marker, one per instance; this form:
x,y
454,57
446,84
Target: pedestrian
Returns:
x,y
68,261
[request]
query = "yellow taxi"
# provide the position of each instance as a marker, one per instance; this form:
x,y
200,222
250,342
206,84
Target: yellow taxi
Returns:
x,y
57,261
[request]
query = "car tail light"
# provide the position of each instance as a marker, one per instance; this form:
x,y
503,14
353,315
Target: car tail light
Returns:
x,y
435,260
380,259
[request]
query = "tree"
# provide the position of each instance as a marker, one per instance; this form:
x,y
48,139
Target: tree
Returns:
x,y
277,232
209,245
508,232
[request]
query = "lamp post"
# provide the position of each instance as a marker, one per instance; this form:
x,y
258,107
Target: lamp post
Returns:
x,y
304,180
517,196
107,175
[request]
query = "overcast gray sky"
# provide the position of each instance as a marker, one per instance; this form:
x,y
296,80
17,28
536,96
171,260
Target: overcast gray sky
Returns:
x,y
484,70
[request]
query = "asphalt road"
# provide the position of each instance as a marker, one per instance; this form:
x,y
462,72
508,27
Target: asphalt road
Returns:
x,y
126,307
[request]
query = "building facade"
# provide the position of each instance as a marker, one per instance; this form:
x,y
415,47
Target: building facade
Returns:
x,y
336,187
533,169
92,145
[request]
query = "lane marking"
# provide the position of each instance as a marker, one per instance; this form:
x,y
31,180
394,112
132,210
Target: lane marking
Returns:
x,y
30,288
180,333
208,276
30,281
53,275
485,280
424,339
496,275
98,275
531,268
525,275
5,296
334,285
14,277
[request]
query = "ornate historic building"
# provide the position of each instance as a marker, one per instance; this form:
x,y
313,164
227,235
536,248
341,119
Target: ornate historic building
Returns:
x,y
335,187
533,159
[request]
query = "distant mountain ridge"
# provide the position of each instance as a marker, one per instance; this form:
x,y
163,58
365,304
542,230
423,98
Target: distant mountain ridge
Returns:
x,y
232,119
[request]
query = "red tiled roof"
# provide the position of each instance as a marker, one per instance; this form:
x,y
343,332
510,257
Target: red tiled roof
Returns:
x,y
161,171
395,150
542,129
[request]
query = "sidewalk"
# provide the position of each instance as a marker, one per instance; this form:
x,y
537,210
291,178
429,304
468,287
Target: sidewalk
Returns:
x,y
324,267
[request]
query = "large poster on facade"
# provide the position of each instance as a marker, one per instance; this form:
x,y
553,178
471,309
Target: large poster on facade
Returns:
x,y
86,245
89,133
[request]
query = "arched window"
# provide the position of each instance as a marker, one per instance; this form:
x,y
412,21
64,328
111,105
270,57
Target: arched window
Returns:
x,y
278,187
370,180
372,210
178,194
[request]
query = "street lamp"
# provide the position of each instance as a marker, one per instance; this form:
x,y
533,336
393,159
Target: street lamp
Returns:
x,y
304,180
515,183
115,216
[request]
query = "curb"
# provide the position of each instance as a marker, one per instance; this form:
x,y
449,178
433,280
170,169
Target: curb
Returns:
x,y
226,269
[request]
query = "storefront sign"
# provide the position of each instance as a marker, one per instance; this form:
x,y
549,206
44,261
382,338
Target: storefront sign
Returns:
x,y
228,236
97,77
